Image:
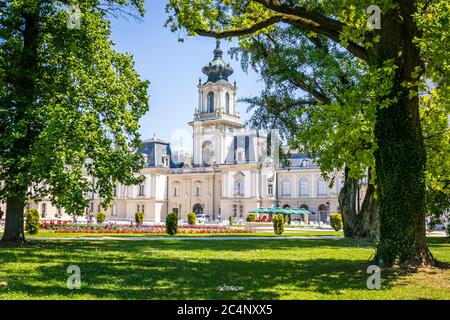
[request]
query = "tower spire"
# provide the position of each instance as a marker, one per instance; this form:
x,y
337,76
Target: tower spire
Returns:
x,y
217,69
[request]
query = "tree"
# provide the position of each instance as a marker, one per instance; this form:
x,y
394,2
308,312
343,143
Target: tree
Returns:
x,y
318,97
399,54
70,107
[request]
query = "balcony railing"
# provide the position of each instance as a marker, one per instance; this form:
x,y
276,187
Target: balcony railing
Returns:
x,y
217,115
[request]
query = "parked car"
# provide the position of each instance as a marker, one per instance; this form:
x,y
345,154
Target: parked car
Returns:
x,y
201,218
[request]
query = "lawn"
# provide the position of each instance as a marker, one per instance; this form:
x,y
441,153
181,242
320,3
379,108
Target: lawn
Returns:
x,y
168,269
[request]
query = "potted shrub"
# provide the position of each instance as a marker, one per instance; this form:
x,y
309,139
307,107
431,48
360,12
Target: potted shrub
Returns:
x,y
32,221
101,217
336,221
172,224
251,217
192,218
278,224
139,218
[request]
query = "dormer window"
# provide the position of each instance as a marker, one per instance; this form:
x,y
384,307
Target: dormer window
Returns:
x,y
165,161
240,155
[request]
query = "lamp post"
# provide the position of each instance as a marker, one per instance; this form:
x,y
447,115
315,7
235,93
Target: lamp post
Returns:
x,y
328,209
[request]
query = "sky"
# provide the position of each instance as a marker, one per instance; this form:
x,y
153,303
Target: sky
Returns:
x,y
173,69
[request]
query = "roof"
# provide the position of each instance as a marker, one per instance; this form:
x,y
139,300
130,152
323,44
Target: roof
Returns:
x,y
217,70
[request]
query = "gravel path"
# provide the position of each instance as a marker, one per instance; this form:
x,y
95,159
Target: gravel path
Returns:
x,y
184,238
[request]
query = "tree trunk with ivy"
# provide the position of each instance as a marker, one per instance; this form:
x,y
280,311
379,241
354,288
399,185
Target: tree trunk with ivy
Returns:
x,y
400,158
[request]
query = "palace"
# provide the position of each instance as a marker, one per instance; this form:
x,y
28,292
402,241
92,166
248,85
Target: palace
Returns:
x,y
227,173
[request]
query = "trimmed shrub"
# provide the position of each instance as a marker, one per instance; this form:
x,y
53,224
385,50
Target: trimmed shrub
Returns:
x,y
448,230
101,217
192,218
32,221
230,220
172,224
139,217
336,221
278,224
251,217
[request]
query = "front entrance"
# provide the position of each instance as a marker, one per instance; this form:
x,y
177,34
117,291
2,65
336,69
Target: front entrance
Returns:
x,y
198,209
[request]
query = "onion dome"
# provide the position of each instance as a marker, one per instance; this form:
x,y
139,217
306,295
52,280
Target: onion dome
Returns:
x,y
218,70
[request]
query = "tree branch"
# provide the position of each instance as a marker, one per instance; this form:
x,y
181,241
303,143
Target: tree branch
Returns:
x,y
299,17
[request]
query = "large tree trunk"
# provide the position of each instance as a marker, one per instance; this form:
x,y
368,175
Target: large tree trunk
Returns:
x,y
347,202
14,232
400,157
24,83
368,221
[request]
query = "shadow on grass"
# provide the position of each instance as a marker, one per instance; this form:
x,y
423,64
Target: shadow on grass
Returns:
x,y
138,269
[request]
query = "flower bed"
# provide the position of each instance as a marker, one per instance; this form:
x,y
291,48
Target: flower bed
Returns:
x,y
156,231
133,228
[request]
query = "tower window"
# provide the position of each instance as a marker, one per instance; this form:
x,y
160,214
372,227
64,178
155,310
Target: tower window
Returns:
x,y
227,103
210,102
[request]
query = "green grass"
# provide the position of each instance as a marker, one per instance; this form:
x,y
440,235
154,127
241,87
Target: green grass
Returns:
x,y
300,233
167,269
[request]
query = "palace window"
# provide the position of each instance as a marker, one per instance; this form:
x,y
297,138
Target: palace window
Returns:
x,y
239,183
270,189
286,189
175,191
210,102
141,208
197,192
304,188
227,102
322,188
141,190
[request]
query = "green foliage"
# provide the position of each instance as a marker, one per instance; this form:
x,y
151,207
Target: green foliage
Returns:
x,y
278,224
101,217
69,103
139,217
172,224
32,221
448,230
336,221
251,217
192,218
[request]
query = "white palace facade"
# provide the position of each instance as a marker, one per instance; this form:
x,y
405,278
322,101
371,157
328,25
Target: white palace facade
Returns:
x,y
228,172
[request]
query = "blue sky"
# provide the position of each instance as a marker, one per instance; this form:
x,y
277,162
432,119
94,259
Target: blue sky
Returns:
x,y
173,69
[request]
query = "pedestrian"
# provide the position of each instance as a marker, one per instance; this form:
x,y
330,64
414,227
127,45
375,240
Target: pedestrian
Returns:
x,y
1,214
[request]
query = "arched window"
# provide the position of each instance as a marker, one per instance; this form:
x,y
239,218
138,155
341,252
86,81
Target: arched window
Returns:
x,y
210,102
207,153
270,189
227,103
239,183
